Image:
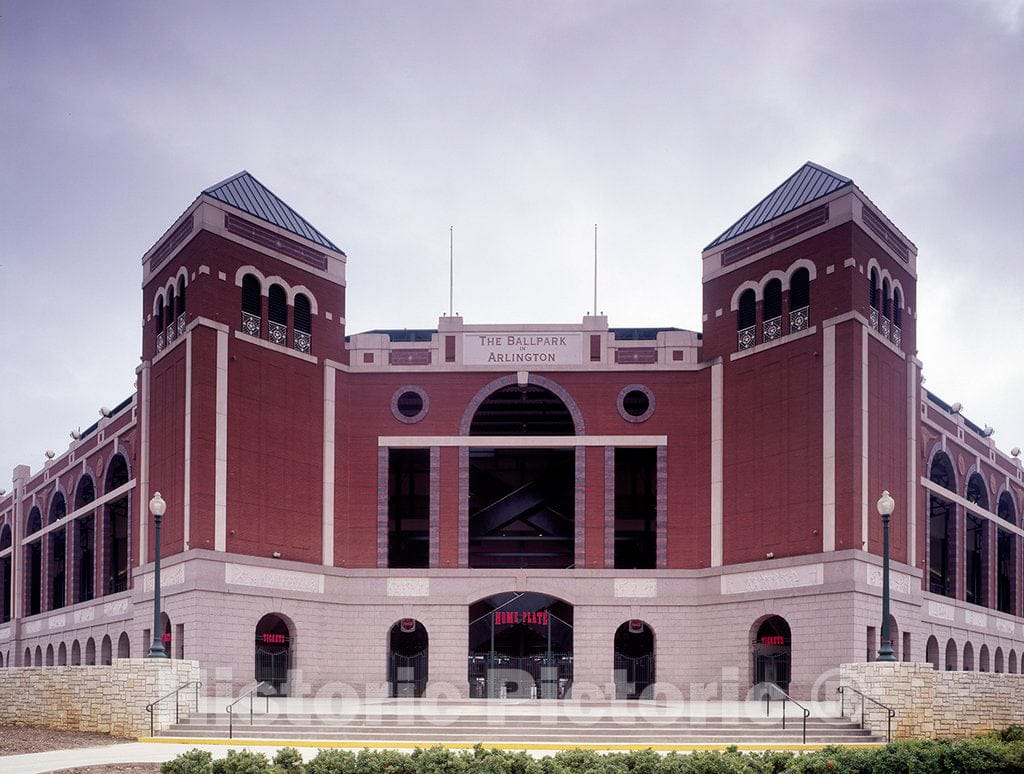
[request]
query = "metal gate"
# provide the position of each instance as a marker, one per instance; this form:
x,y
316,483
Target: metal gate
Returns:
x,y
772,666
272,666
407,675
520,677
633,675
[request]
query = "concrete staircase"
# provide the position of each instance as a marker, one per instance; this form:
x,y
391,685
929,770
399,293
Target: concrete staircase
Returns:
x,y
522,723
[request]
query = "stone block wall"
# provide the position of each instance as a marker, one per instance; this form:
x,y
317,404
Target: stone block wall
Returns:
x,y
930,704
105,699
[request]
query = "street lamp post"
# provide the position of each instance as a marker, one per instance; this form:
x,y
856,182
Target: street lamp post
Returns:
x,y
885,506
157,506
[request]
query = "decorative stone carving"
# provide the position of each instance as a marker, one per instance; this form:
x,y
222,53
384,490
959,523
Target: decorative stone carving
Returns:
x,y
769,580
897,580
408,587
939,610
5,634
56,622
33,627
1004,627
120,607
172,576
268,578
636,587
976,619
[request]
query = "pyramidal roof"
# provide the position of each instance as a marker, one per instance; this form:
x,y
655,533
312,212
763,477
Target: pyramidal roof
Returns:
x,y
808,183
250,195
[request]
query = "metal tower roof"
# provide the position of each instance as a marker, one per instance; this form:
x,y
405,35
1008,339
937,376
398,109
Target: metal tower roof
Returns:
x,y
250,195
808,183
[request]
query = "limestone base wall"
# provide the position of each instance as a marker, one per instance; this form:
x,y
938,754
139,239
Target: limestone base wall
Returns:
x,y
930,704
106,699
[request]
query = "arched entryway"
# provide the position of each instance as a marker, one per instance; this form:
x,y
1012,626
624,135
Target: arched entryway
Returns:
x,y
520,646
931,652
274,653
407,658
772,652
634,660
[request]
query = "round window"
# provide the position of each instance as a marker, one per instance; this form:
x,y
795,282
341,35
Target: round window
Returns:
x,y
409,404
636,403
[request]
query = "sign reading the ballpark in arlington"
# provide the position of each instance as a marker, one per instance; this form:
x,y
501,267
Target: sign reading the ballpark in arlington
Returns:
x,y
522,349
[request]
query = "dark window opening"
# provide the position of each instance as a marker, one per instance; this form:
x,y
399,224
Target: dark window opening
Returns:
x,y
800,289
408,659
409,508
117,473
748,310
635,403
529,410
251,295
35,521
897,308
277,305
181,296
1005,509
5,590
58,508
117,546
975,561
522,508
160,315
886,299
773,299
303,314
942,530
1006,565
410,404
169,315
84,547
57,558
636,508
85,493
873,289
633,661
34,560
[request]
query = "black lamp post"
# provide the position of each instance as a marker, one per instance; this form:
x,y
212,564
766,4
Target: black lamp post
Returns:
x,y
157,506
885,506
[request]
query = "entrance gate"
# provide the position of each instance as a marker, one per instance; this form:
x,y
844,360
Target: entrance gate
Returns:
x,y
520,647
273,657
633,662
771,650
407,659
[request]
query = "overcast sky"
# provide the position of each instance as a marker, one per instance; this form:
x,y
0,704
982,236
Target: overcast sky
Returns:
x,y
520,124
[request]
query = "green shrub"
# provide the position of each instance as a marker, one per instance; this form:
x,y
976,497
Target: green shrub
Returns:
x,y
192,762
288,761
242,762
332,762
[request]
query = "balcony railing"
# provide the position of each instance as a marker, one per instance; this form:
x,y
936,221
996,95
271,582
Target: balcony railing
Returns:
x,y
800,319
874,318
772,329
171,334
302,341
181,324
160,342
885,327
251,324
277,333
897,335
746,337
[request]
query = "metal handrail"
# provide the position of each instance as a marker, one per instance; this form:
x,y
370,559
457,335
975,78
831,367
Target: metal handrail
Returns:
x,y
842,708
785,697
174,693
249,693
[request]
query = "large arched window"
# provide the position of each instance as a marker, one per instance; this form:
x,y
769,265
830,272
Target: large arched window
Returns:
x,y
277,315
252,311
169,316
159,319
951,655
800,300
976,555
942,529
772,326
873,289
82,534
746,319
115,528
56,547
897,308
5,574
1006,558
886,299
302,336
180,316
34,564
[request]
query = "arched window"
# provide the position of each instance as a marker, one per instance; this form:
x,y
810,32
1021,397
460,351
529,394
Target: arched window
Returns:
x,y
38,661
106,651
942,529
999,666
169,316
951,655
897,308
49,654
983,659
5,575
931,652
56,543
34,564
746,318
124,646
159,316
76,653
116,529
90,652
968,657
1013,662
1006,558
85,492
800,300
886,299
277,315
62,655
181,304
873,289
772,310
302,336
976,538
252,311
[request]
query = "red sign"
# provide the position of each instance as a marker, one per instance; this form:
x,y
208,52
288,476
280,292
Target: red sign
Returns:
x,y
773,640
408,625
508,617
165,637
636,626
275,639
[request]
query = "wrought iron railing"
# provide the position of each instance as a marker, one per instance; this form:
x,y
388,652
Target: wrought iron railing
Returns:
x,y
174,693
251,324
249,694
160,342
785,697
842,707
885,327
800,319
277,332
897,335
171,334
746,337
181,324
874,318
772,329
302,341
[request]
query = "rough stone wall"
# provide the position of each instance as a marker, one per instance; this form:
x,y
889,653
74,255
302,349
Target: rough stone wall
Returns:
x,y
105,699
931,704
